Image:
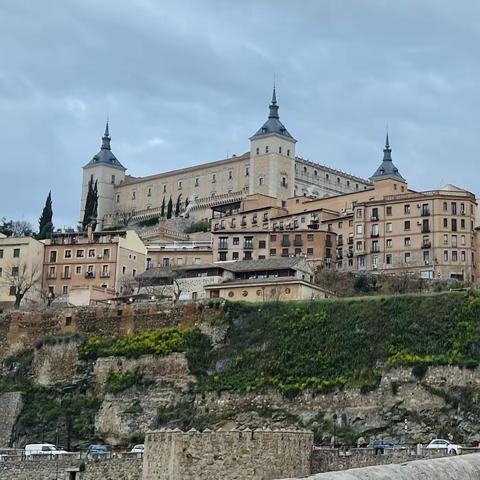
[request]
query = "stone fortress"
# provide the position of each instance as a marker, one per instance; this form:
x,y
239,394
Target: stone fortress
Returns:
x,y
271,168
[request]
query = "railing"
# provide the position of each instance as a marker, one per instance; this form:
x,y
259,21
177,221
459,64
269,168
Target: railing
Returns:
x,y
223,246
105,275
66,276
89,275
248,246
427,244
51,276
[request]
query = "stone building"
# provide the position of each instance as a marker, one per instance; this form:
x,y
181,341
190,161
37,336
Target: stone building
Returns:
x,y
84,265
20,260
178,253
270,167
385,228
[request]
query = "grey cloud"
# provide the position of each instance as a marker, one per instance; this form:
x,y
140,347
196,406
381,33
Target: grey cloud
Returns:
x,y
186,82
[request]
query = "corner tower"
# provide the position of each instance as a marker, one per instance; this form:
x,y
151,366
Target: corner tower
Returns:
x,y
108,172
272,158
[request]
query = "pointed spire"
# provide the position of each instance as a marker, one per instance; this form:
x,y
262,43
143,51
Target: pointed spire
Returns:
x,y
387,151
106,138
274,105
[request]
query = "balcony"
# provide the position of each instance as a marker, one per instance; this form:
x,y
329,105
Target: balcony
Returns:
x,y
105,275
426,212
50,276
375,250
66,276
427,244
89,274
374,235
374,218
350,240
223,246
248,246
350,254
425,229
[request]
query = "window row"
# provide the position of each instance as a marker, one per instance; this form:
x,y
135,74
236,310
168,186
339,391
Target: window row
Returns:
x,y
15,253
80,253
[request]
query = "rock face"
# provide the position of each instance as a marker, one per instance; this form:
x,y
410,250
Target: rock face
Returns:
x,y
465,467
10,407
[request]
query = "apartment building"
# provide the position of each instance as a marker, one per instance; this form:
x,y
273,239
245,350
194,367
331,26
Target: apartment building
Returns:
x,y
385,227
20,263
92,261
179,253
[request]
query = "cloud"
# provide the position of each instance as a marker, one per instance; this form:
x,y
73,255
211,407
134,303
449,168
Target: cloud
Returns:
x,y
186,82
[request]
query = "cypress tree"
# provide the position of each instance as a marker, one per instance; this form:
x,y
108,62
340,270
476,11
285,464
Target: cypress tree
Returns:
x,y
94,205
162,211
170,208
45,225
89,204
177,206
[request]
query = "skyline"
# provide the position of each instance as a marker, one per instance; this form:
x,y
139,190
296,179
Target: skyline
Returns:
x,y
188,83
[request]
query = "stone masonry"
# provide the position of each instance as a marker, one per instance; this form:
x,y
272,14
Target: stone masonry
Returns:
x,y
10,407
226,455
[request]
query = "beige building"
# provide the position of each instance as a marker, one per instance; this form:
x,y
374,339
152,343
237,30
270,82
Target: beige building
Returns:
x,y
384,228
270,167
20,265
86,263
179,253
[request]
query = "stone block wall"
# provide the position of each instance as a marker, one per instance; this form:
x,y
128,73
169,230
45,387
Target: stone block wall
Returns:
x,y
10,407
226,455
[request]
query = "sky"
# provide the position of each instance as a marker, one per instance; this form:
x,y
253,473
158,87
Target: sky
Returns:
x,y
185,82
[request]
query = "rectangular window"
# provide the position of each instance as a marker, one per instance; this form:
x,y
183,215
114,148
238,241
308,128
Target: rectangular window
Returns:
x,y
445,255
359,229
230,174
406,209
463,239
374,216
53,256
1,272
80,253
68,254
388,259
214,178
13,290
248,242
15,271
359,245
262,244
389,211
223,243
454,256
445,206
65,290
310,252
310,237
462,224
454,208
454,241
389,227
261,181
425,209
463,255
273,252
1,252
91,253
236,240
445,223
246,171
78,269
454,224
16,252
407,257
407,241
389,243
235,256
406,225
359,213
273,238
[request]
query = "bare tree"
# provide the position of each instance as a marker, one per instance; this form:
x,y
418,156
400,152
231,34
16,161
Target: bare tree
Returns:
x,y
125,217
129,285
21,278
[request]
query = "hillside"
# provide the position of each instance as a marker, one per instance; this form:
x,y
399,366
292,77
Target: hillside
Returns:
x,y
373,362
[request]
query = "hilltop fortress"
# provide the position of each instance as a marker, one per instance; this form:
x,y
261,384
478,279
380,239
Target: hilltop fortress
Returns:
x,y
271,168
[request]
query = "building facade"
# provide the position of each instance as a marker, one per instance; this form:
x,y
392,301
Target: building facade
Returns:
x,y
386,227
270,167
92,261
20,263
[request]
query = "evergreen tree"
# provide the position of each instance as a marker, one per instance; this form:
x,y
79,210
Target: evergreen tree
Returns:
x,y
162,211
178,205
88,205
95,205
170,208
45,225
186,203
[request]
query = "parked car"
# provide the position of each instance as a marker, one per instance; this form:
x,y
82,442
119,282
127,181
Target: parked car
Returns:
x,y
42,449
440,444
382,444
138,448
98,449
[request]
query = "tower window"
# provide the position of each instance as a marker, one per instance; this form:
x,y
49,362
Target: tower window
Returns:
x,y
118,198
338,179
261,181
246,171
288,153
304,169
113,178
133,195
279,149
315,172
196,182
258,151
266,149
214,178
230,174
179,185
327,176
164,189
149,193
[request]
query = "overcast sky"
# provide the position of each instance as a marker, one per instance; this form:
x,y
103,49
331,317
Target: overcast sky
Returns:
x,y
188,81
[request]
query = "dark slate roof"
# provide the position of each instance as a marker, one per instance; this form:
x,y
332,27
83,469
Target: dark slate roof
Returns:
x,y
105,155
387,168
273,123
263,264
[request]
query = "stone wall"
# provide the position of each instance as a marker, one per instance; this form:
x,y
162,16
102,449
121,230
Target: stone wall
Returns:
x,y
10,407
330,460
463,467
49,469
226,455
22,329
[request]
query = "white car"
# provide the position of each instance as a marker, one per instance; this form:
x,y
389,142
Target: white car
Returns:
x,y
138,448
42,449
439,444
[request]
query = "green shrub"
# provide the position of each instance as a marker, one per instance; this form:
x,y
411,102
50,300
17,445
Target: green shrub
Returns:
x,y
201,226
120,381
149,222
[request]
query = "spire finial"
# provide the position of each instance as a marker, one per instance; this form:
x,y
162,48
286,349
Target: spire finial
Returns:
x,y
387,151
273,104
106,138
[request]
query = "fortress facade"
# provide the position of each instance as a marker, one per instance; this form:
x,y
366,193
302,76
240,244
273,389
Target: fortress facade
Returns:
x,y
270,167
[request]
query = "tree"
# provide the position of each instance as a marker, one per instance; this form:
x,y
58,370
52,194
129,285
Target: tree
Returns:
x,y
178,205
162,211
45,225
125,217
16,228
21,278
89,205
170,208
